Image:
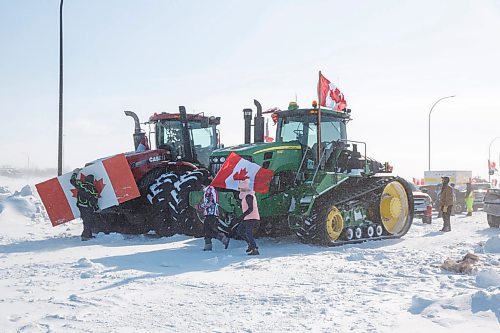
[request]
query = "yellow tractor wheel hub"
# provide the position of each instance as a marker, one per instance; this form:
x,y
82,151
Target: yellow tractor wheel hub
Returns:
x,y
334,224
394,207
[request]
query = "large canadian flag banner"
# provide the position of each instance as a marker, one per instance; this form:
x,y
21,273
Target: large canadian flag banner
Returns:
x,y
113,180
236,168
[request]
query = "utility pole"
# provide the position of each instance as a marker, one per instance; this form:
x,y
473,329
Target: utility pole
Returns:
x,y
430,126
59,150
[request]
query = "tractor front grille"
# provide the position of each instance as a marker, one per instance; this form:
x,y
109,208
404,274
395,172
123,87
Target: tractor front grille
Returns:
x,y
215,168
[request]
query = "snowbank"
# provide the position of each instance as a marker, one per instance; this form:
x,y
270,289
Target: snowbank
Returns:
x,y
51,281
492,245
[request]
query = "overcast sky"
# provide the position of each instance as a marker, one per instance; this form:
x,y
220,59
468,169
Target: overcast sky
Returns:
x,y
391,59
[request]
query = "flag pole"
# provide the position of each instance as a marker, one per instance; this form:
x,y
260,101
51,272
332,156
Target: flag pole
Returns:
x,y
318,127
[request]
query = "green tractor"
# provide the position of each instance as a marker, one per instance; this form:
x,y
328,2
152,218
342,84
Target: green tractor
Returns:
x,y
324,189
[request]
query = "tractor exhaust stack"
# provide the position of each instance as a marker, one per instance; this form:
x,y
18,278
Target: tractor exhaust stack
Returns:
x,y
138,133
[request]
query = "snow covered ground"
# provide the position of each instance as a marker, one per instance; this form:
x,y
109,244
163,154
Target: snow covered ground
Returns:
x,y
50,281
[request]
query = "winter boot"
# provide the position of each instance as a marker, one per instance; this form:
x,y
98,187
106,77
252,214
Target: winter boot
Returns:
x,y
224,239
208,245
469,213
446,227
254,252
87,234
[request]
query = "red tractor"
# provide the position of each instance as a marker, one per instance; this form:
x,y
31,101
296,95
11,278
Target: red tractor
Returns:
x,y
165,175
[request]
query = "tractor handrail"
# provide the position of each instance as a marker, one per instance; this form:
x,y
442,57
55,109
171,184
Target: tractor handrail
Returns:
x,y
331,144
301,163
363,143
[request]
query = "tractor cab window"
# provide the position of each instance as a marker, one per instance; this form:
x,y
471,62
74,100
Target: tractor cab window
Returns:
x,y
169,136
297,128
204,140
303,128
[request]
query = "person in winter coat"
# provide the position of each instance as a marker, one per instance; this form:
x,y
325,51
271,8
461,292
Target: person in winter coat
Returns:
x,y
250,218
446,203
210,208
86,201
469,199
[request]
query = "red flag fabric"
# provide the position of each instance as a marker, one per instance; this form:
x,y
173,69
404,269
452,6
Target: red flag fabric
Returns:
x,y
329,95
236,168
113,180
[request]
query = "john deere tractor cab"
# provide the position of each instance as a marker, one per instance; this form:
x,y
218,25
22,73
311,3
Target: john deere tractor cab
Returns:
x,y
325,189
165,174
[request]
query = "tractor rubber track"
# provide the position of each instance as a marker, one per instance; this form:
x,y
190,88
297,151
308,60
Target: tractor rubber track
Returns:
x,y
367,189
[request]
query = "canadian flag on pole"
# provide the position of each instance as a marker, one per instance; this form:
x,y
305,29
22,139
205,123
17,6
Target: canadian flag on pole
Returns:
x,y
236,168
329,95
113,180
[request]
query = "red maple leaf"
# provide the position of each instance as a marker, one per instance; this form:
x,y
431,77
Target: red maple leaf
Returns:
x,y
242,174
99,185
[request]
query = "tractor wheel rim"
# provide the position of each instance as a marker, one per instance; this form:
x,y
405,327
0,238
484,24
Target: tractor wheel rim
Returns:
x,y
349,233
334,224
394,207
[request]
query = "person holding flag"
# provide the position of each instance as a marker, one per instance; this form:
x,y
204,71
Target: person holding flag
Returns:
x,y
87,197
250,218
246,177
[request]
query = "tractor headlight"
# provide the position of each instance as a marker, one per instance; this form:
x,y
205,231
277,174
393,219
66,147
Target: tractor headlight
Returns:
x,y
215,160
222,159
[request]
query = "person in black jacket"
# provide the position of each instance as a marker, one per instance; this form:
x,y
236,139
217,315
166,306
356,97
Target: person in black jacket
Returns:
x,y
86,201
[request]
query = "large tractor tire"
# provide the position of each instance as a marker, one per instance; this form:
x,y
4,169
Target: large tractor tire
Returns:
x,y
161,191
186,218
273,227
133,216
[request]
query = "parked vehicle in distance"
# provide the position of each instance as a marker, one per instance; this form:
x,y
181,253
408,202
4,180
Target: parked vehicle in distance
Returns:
x,y
434,190
480,190
458,177
492,207
422,204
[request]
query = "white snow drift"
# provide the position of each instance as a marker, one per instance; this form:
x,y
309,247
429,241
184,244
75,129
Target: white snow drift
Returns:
x,y
50,281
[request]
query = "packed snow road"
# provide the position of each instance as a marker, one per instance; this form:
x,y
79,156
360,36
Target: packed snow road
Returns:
x,y
50,281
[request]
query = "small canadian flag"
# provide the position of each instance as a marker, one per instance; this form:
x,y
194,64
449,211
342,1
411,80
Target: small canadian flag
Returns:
x,y
113,180
236,169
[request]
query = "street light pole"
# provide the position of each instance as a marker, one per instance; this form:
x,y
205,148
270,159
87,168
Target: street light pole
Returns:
x,y
430,112
489,156
59,150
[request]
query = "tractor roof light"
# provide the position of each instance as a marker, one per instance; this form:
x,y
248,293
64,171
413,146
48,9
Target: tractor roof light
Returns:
x,y
293,106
